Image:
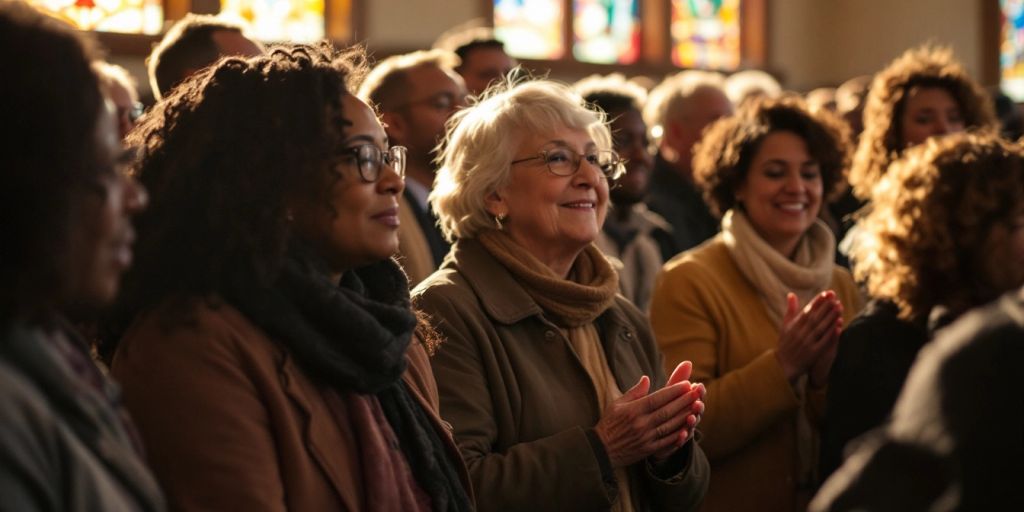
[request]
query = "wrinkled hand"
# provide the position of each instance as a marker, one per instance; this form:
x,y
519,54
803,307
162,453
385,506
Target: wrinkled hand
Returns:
x,y
693,413
638,425
808,333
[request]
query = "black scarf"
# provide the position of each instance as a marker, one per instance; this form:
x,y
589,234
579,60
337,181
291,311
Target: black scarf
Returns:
x,y
353,337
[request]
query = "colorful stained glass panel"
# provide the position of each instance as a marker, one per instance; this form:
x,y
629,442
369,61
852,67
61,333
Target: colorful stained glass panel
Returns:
x,y
297,21
1011,49
530,29
606,31
706,33
127,16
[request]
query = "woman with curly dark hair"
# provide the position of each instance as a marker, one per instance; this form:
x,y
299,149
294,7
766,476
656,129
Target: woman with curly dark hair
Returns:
x,y
945,234
65,223
271,361
758,308
923,93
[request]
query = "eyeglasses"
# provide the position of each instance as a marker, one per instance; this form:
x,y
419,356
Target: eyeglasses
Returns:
x,y
565,162
369,159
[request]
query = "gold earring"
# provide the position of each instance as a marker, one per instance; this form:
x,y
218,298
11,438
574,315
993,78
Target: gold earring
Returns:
x,y
499,221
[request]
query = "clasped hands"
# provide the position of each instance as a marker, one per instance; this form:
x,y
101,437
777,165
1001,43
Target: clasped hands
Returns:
x,y
642,424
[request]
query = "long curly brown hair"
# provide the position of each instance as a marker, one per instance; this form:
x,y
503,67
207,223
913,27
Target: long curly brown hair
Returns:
x,y
924,240
221,157
722,158
881,143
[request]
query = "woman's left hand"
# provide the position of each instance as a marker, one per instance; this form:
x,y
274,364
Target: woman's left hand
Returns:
x,y
693,413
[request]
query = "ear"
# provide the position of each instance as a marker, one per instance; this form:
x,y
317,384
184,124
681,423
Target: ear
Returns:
x,y
396,125
495,203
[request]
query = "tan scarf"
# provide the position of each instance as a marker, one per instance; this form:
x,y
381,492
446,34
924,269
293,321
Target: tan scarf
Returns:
x,y
569,302
573,303
772,273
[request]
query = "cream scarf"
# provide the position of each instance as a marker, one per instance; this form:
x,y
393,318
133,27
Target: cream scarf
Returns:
x,y
573,303
773,274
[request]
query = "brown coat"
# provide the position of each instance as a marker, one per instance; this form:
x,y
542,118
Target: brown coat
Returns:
x,y
521,401
230,421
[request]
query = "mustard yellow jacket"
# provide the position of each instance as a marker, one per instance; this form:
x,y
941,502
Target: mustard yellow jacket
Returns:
x,y
704,310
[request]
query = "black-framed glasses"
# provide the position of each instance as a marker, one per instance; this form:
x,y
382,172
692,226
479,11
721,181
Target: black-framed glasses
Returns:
x,y
369,159
565,162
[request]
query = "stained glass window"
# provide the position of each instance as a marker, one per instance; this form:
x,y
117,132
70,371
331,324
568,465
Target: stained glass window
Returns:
x,y
128,16
298,21
530,29
1011,49
606,31
706,33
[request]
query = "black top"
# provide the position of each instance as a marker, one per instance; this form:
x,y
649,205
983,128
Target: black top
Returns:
x,y
682,205
874,357
428,224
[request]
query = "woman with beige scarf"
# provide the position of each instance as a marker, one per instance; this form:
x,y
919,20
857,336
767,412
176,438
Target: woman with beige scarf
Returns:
x,y
552,381
759,308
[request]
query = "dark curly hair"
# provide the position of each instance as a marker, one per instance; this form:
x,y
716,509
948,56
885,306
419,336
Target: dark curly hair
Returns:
x,y
221,156
881,143
51,101
722,158
923,242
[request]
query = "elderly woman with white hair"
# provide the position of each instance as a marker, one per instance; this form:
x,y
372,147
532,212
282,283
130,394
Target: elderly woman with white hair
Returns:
x,y
553,383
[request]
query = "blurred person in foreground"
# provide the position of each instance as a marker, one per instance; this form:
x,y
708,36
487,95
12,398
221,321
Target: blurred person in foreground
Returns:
x,y
65,218
945,234
551,380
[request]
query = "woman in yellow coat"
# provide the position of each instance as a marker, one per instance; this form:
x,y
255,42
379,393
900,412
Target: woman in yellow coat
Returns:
x,y
759,308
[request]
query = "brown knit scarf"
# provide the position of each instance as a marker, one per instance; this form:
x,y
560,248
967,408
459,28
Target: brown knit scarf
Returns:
x,y
569,302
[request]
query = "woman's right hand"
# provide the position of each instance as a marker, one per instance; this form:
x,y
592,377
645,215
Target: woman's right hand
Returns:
x,y
638,425
807,333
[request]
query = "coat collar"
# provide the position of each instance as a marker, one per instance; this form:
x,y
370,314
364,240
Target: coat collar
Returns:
x,y
91,416
502,297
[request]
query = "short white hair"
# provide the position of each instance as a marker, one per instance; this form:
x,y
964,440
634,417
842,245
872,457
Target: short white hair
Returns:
x,y
481,141
669,99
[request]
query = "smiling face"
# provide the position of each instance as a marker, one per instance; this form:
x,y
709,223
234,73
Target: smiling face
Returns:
x,y
553,217
927,112
782,191
359,224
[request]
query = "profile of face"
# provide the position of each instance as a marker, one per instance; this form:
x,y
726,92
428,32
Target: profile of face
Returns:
x,y
484,65
102,234
705,106
629,140
781,193
928,112
358,224
434,95
128,107
1003,254
553,217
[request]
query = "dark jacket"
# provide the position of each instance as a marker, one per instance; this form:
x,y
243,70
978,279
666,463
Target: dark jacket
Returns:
x,y
521,403
956,437
875,354
682,205
64,442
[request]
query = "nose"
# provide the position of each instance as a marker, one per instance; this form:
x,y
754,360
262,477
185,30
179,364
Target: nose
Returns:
x,y
588,175
794,183
942,126
389,181
135,196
